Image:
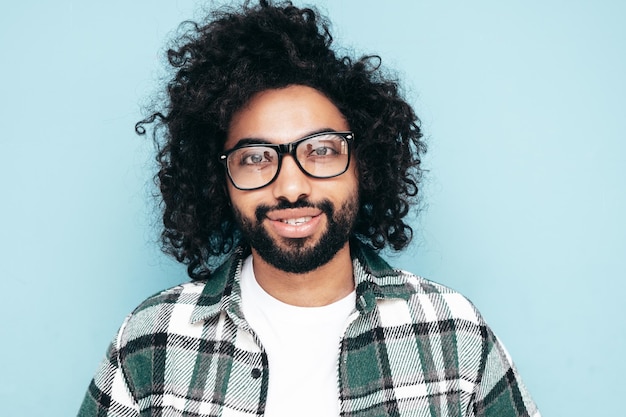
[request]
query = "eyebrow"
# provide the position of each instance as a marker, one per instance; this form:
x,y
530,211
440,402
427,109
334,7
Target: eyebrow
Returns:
x,y
258,141
250,141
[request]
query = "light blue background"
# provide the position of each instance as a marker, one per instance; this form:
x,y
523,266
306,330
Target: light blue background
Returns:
x,y
523,104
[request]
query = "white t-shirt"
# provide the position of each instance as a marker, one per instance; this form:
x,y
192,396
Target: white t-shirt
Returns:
x,y
302,346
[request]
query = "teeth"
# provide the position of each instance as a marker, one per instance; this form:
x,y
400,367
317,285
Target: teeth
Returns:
x,y
297,221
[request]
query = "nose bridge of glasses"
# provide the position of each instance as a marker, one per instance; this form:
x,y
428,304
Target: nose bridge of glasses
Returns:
x,y
283,149
287,148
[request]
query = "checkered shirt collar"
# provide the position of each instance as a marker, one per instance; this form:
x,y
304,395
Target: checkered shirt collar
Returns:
x,y
374,279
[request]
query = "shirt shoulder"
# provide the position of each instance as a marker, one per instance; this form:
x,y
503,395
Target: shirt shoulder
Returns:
x,y
168,311
392,290
440,302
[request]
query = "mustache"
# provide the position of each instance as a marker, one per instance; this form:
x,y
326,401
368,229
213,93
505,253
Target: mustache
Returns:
x,y
325,206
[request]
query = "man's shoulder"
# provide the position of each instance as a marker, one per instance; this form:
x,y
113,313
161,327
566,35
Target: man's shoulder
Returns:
x,y
429,301
160,313
437,302
183,294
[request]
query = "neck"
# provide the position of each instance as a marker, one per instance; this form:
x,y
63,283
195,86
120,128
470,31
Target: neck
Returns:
x,y
322,286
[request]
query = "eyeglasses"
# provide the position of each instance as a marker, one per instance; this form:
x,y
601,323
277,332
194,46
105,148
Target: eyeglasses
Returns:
x,y
255,165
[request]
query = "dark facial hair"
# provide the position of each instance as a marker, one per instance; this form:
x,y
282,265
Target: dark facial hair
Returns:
x,y
295,255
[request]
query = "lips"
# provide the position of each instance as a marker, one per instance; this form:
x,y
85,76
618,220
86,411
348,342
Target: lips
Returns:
x,y
295,215
295,223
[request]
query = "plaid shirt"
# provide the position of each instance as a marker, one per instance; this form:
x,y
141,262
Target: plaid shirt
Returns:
x,y
411,348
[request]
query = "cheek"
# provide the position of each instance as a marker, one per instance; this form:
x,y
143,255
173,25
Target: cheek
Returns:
x,y
237,198
353,172
245,201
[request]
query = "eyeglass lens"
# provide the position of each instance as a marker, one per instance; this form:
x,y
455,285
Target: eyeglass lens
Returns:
x,y
320,156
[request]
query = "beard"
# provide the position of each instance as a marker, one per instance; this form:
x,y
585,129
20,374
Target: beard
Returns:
x,y
300,255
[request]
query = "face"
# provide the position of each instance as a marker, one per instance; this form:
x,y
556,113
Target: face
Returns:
x,y
297,223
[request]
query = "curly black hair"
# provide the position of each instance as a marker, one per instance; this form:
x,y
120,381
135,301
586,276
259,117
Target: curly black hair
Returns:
x,y
218,66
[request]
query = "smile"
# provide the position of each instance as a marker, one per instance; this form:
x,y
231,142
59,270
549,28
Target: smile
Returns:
x,y
297,221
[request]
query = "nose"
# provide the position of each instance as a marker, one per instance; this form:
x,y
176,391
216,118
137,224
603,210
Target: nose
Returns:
x,y
291,184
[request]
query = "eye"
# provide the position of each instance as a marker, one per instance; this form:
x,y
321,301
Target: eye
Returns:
x,y
324,147
323,151
252,156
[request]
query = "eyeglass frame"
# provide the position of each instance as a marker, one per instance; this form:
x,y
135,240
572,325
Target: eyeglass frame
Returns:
x,y
288,149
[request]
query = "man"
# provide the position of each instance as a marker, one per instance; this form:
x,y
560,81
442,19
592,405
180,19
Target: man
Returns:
x,y
294,166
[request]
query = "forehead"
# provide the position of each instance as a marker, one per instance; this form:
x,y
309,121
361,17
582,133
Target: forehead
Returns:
x,y
283,115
